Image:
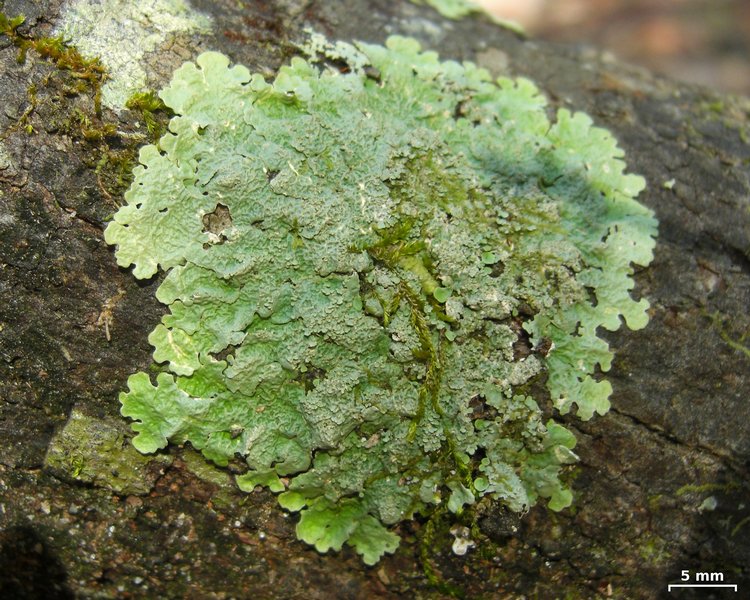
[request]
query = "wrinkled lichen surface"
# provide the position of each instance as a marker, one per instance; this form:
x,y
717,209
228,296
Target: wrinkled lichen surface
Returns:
x,y
370,259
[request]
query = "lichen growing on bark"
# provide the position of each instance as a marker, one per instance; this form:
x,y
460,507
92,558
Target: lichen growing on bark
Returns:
x,y
120,33
369,259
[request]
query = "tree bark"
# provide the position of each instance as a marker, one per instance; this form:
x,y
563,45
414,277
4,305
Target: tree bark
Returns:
x,y
662,485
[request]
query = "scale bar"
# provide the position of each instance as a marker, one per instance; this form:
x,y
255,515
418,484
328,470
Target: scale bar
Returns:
x,y
701,585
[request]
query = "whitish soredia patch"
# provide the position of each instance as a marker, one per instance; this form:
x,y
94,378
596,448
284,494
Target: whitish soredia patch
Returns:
x,y
366,269
121,32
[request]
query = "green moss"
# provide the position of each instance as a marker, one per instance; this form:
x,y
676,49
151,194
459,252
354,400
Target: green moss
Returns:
x,y
705,488
657,501
150,107
352,259
740,525
434,534
88,71
739,344
717,107
68,101
654,550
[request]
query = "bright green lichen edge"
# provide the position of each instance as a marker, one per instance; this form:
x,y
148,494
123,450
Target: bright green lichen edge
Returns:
x,y
452,9
354,257
458,9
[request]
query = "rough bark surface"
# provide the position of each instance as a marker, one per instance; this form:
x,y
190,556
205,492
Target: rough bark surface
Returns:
x,y
662,485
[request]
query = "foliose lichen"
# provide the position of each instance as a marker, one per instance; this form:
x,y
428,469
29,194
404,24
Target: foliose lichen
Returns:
x,y
369,261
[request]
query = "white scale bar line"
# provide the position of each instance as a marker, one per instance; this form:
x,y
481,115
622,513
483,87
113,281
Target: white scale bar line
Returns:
x,y
701,585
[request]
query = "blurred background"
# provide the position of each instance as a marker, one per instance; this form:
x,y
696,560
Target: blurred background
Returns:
x,y
701,41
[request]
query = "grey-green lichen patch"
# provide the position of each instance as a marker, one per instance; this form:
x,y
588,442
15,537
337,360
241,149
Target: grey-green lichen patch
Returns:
x,y
9,165
6,162
93,450
355,262
121,33
8,171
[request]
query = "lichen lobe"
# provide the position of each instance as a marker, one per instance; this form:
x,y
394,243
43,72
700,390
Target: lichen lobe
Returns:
x,y
352,254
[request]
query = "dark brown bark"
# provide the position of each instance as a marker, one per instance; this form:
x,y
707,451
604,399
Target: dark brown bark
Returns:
x,y
662,485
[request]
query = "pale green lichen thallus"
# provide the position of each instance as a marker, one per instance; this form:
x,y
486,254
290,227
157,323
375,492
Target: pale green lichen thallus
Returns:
x,y
366,268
